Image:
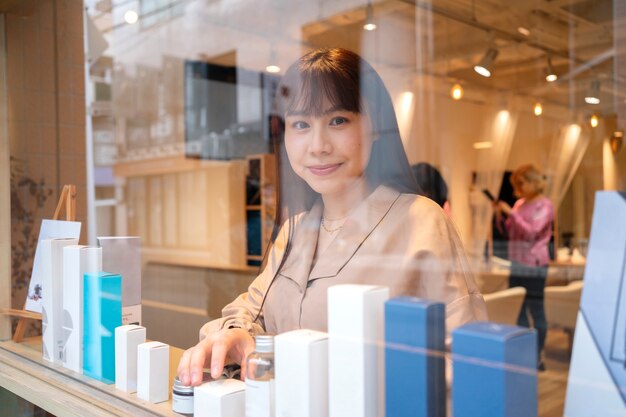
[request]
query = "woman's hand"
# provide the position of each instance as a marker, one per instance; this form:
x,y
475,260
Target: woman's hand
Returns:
x,y
502,207
232,345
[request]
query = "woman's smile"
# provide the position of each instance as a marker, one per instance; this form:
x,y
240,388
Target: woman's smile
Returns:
x,y
324,169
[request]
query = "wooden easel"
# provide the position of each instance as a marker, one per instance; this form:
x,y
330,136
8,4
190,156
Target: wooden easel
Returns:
x,y
67,200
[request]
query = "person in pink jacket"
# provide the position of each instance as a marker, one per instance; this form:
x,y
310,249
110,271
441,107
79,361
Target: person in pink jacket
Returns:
x,y
529,228
347,214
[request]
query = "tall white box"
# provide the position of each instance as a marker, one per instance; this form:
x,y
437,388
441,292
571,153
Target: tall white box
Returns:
x,y
356,368
220,398
302,356
127,340
51,268
77,261
122,255
153,371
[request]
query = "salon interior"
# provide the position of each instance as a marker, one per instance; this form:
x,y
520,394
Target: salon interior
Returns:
x,y
157,113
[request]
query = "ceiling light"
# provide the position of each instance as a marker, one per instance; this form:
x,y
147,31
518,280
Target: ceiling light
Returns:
x,y
457,91
550,72
593,121
523,31
272,67
538,109
131,17
369,19
593,95
482,145
484,66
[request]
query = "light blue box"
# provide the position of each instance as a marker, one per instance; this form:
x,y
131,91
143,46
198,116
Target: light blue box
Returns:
x,y
415,382
494,371
102,314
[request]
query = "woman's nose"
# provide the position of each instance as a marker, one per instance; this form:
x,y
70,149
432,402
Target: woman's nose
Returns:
x,y
320,144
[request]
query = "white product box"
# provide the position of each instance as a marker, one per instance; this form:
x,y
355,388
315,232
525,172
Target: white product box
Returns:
x,y
122,255
220,398
356,336
51,268
153,372
302,356
77,261
127,339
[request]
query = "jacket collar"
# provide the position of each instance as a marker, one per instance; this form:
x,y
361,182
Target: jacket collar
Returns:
x,y
357,227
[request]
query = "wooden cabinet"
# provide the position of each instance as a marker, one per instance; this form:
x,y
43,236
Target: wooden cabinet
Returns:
x,y
260,205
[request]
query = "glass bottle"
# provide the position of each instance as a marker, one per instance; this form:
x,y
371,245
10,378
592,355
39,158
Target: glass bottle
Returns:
x,y
260,378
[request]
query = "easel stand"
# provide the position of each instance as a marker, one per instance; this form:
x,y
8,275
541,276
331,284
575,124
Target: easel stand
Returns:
x,y
67,200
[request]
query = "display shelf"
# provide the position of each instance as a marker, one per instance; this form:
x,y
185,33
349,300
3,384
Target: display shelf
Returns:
x,y
66,393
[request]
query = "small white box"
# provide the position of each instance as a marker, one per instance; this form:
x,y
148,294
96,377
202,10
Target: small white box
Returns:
x,y
127,339
153,372
356,337
302,356
51,268
77,261
220,398
122,255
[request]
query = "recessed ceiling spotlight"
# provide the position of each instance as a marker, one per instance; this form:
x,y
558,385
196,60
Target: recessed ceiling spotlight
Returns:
x,y
457,91
523,30
484,66
483,145
538,109
593,121
131,17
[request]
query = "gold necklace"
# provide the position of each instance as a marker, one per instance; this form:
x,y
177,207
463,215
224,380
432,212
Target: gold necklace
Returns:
x,y
330,231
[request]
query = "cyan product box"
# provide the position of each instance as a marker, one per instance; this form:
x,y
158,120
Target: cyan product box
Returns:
x,y
415,381
102,311
494,371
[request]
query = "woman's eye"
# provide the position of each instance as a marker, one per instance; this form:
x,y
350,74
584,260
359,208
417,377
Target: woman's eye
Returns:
x,y
299,125
337,121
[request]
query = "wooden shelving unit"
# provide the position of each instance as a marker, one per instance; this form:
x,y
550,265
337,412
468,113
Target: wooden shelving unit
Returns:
x,y
260,205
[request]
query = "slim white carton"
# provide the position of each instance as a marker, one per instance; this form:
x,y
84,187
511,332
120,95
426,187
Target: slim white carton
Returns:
x,y
153,371
77,261
127,339
51,268
356,350
122,255
302,356
220,398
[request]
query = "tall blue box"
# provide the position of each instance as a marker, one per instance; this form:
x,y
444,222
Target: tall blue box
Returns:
x,y
415,382
102,313
494,371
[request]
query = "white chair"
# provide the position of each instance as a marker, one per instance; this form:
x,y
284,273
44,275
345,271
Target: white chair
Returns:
x,y
504,306
561,305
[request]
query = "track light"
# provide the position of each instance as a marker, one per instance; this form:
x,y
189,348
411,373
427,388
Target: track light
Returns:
x,y
538,109
550,72
593,121
593,95
457,91
484,66
369,19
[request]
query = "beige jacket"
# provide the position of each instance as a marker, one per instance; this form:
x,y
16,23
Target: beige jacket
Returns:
x,y
402,241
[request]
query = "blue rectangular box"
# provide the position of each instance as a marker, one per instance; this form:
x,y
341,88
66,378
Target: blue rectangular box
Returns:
x,y
102,313
415,382
494,371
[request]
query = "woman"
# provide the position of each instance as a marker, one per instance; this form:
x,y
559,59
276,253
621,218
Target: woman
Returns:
x,y
344,213
529,228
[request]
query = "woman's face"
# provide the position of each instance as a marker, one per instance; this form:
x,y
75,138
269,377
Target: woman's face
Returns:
x,y
524,188
329,152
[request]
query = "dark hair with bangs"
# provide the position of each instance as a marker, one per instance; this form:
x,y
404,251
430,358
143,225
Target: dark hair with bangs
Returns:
x,y
342,79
